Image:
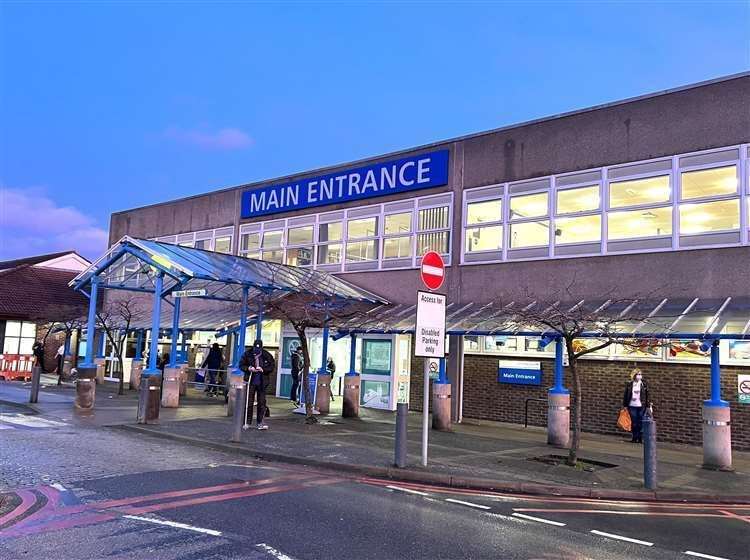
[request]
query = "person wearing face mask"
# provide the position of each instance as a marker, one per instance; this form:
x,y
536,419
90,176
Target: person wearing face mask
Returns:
x,y
636,399
257,364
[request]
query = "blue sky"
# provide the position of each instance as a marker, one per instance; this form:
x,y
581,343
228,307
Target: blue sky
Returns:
x,y
110,105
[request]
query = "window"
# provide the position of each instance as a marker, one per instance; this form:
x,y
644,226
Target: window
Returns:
x,y
362,227
223,245
328,252
528,206
398,238
360,251
584,199
398,223
300,236
484,237
707,217
653,190
529,234
484,212
397,247
271,246
204,244
366,230
581,229
19,337
648,222
250,245
300,249
488,238
503,344
329,232
434,230
709,182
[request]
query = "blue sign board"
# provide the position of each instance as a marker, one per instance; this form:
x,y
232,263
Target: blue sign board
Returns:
x,y
519,373
390,177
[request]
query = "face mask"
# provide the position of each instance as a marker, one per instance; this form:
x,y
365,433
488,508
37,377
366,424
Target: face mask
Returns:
x,y
638,377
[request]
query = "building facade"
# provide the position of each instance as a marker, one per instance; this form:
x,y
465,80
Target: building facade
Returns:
x,y
647,195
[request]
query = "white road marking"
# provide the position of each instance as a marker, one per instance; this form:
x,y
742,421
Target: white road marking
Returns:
x,y
408,490
700,555
174,524
531,518
273,552
59,487
621,538
470,504
30,421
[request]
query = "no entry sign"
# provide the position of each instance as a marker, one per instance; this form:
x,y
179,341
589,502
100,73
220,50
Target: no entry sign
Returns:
x,y
433,270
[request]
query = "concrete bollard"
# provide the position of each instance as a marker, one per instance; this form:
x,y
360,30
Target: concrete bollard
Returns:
x,y
441,406
148,400
350,406
36,379
235,380
238,414
717,437
67,366
649,452
402,419
170,397
323,394
136,371
558,420
183,379
100,362
86,388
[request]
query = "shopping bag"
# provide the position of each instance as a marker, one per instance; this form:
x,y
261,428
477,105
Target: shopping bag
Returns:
x,y
200,375
623,420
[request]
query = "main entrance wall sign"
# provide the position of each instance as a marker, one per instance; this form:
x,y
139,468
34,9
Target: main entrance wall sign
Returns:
x,y
390,177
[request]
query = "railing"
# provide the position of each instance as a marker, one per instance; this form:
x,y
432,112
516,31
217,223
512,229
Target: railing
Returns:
x,y
526,409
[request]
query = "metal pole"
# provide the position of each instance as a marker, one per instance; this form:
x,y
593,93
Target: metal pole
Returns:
x,y
36,377
155,321
259,323
558,388
240,395
425,416
402,417
91,325
175,332
649,451
353,356
715,377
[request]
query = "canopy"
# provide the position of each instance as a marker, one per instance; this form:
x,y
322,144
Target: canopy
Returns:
x,y
694,318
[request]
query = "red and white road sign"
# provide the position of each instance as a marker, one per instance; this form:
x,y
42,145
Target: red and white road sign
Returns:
x,y
433,270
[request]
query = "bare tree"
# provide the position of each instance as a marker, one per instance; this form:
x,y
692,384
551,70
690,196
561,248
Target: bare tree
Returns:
x,y
115,319
61,318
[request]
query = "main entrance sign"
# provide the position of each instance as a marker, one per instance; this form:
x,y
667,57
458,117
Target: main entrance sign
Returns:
x,y
396,176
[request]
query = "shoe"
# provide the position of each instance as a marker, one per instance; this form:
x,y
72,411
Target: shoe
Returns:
x,y
263,427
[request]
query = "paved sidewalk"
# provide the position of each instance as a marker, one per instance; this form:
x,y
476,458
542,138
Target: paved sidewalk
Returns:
x,y
476,453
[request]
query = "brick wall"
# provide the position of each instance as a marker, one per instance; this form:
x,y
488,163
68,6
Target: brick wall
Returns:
x,y
677,392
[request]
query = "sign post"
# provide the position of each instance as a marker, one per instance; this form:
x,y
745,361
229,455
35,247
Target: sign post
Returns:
x,y
429,332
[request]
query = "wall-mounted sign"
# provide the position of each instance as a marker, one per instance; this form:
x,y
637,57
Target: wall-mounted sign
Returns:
x,y
432,368
519,373
380,179
189,293
429,340
743,389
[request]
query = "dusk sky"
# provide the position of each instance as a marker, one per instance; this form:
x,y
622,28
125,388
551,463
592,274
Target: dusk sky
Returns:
x,y
106,106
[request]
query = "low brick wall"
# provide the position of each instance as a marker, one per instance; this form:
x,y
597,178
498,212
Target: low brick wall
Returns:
x,y
677,392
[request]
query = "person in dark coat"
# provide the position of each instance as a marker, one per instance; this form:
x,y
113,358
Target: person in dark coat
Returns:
x,y
257,364
38,351
636,400
213,363
331,367
298,361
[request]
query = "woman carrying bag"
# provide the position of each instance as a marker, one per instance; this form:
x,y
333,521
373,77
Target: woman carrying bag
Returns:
x,y
635,399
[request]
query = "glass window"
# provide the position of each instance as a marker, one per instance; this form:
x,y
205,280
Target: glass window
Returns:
x,y
582,229
28,329
300,235
329,254
531,344
398,223
650,222
272,239
185,243
360,251
299,256
488,238
528,206
434,218
436,241
397,247
640,191
709,182
483,212
739,350
584,199
276,255
362,227
13,328
329,232
376,357
249,242
500,344
710,216
19,337
529,234
471,343
203,244
223,245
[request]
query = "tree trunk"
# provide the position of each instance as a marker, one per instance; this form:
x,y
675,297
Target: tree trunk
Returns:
x,y
309,418
576,439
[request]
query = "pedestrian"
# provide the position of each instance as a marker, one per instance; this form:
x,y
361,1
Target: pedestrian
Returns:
x,y
257,364
213,363
60,363
331,367
38,351
298,360
636,399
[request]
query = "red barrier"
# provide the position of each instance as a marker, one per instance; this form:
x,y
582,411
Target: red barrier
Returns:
x,y
15,367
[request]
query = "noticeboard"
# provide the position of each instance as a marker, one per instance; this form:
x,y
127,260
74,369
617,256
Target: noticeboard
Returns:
x,y
519,372
429,340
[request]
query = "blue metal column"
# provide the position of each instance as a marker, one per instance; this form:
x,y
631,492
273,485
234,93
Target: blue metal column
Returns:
x,y
183,347
91,325
139,345
240,349
715,378
353,356
442,374
155,320
324,359
175,332
558,389
258,323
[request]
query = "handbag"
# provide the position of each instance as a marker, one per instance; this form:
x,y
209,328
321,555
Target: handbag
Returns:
x,y
624,421
200,375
